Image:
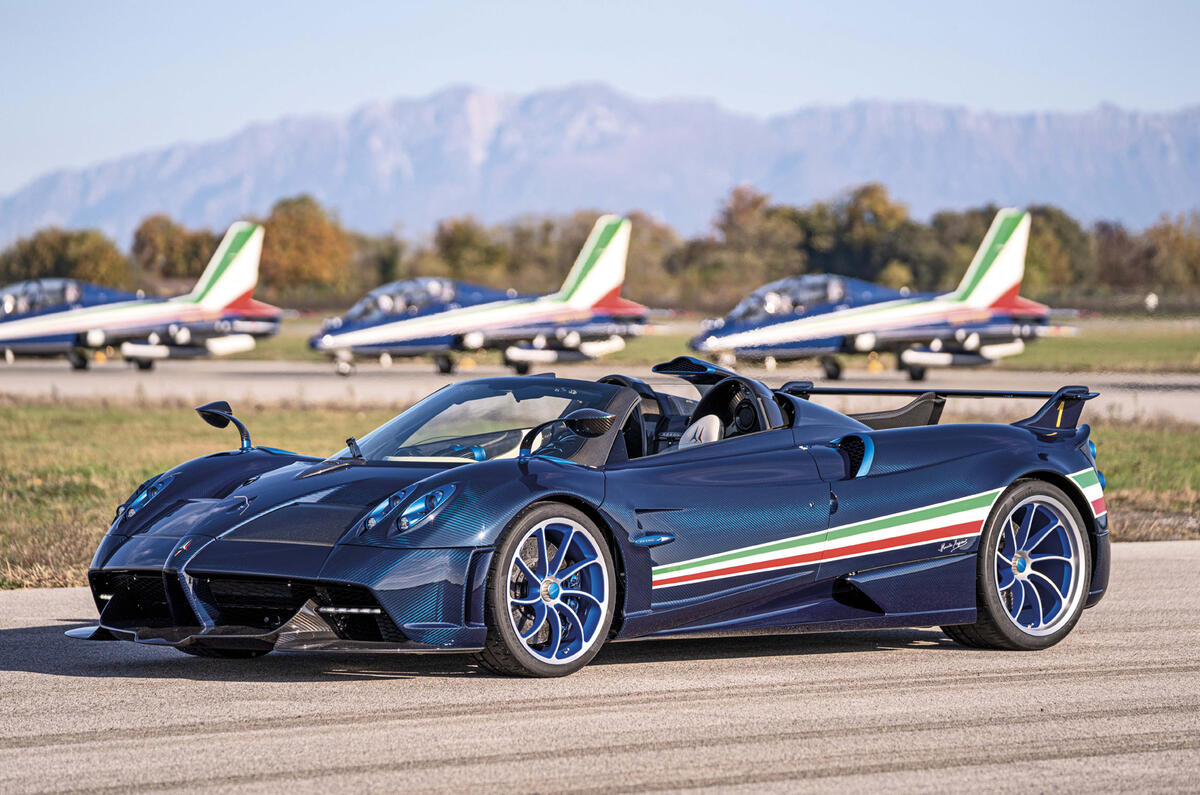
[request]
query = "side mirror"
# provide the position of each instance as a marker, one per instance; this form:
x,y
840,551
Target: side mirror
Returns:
x,y
588,423
219,414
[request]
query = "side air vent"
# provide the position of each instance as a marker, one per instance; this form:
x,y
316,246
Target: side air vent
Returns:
x,y
859,452
682,364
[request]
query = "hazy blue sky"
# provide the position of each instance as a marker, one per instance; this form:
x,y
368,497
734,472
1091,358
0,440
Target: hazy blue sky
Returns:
x,y
84,81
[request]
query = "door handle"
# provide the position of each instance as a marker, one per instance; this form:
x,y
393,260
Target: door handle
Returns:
x,y
654,539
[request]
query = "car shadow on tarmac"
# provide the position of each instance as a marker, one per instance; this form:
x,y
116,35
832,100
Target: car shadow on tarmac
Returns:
x,y
46,650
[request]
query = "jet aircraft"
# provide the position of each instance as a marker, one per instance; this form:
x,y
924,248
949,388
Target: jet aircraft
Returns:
x,y
822,315
67,317
428,316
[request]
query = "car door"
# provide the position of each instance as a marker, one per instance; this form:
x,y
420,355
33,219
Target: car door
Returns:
x,y
720,517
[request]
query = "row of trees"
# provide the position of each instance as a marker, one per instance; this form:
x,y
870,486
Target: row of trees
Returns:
x,y
309,258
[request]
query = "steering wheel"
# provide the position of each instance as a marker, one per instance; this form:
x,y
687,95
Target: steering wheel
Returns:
x,y
734,401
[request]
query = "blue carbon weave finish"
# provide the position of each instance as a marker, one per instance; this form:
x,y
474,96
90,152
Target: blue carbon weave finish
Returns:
x,y
760,530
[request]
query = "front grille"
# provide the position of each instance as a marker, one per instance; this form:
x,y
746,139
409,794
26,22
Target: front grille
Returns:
x,y
268,603
260,603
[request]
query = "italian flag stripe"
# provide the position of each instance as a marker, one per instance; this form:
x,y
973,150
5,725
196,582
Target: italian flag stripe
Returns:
x,y
1089,483
952,519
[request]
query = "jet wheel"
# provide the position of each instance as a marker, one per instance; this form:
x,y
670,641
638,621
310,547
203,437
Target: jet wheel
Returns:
x,y
832,368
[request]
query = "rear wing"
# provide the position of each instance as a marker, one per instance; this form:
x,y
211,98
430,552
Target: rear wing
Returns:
x,y
1060,409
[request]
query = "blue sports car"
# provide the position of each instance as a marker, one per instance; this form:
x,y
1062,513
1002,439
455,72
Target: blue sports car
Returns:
x,y
531,519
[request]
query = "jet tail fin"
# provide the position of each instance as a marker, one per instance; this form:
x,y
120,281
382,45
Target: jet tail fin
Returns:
x,y
233,270
599,270
999,265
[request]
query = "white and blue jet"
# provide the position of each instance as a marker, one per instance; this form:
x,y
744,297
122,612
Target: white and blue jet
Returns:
x,y
822,315
430,316
75,319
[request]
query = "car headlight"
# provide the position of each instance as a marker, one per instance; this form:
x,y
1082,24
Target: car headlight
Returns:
x,y
424,508
384,508
146,492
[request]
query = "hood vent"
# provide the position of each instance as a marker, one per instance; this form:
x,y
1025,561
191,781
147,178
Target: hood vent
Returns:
x,y
300,523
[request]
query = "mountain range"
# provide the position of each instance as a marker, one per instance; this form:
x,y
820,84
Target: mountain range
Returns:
x,y
407,163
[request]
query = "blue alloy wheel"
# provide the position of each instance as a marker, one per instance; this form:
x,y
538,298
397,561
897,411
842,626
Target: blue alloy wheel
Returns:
x,y
558,591
1034,568
1038,555
551,596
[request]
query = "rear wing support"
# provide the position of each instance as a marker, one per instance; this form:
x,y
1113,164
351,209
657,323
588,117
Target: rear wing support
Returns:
x,y
1060,411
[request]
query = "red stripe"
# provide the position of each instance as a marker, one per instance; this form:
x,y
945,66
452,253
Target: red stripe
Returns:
x,y
1098,506
967,528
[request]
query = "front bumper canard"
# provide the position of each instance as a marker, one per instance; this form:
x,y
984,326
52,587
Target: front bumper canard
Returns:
x,y
307,630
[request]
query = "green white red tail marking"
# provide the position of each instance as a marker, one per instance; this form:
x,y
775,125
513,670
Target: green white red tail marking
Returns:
x,y
999,263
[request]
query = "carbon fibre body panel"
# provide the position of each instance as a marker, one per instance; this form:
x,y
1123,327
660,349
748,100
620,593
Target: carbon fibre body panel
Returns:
x,y
822,525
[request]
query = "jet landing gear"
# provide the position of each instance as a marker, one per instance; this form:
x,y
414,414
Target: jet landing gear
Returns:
x,y
78,359
916,372
445,363
520,368
832,368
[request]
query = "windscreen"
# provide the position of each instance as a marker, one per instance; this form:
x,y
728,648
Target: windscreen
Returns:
x,y
482,420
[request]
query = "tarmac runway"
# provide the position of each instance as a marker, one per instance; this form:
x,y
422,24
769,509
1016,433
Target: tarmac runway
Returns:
x,y
1115,707
1126,396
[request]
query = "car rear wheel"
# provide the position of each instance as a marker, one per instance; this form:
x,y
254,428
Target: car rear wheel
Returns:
x,y
1034,567
550,594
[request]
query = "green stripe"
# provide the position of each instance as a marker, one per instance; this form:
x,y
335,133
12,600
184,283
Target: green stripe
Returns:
x,y
606,236
1085,479
1008,224
966,504
235,247
916,515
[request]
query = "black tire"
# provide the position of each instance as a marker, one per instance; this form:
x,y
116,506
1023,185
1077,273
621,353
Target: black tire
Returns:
x,y
223,654
521,368
994,629
832,368
916,372
445,363
144,364
504,652
78,360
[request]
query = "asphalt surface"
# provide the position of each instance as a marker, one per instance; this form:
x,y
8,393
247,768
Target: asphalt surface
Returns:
x,y
1126,396
1114,707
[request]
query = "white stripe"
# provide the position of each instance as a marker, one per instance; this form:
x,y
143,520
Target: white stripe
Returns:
x,y
947,537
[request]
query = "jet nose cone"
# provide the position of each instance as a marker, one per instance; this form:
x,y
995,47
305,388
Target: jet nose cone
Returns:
x,y
320,342
699,343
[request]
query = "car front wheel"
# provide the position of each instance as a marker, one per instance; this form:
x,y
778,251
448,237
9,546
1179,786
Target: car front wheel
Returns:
x,y
550,594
